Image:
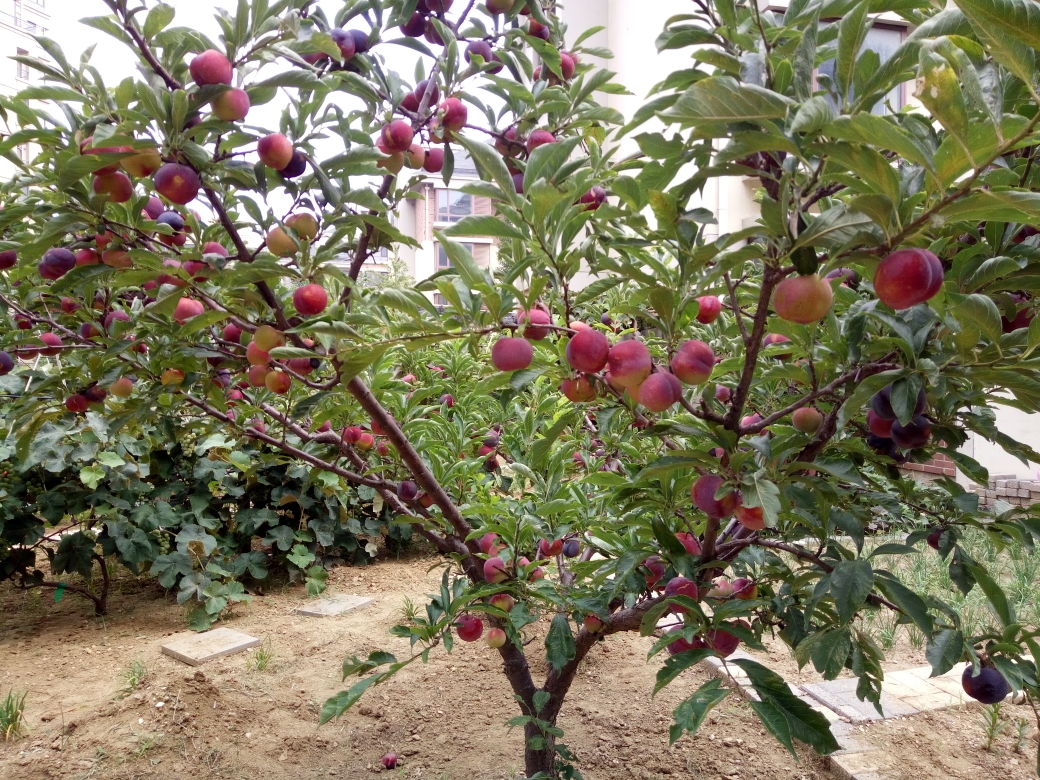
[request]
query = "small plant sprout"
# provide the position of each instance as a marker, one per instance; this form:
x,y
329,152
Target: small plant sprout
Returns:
x,y
132,676
992,724
12,716
262,657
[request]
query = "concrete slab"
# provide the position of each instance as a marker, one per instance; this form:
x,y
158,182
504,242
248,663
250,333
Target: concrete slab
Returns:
x,y
334,605
195,649
928,702
908,680
850,765
837,695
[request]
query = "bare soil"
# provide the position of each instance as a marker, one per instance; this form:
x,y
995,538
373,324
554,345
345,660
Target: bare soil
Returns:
x,y
951,743
447,719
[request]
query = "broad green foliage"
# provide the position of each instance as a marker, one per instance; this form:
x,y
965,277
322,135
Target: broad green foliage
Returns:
x,y
189,519
930,210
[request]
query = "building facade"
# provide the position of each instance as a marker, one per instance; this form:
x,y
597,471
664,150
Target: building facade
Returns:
x,y
20,20
437,206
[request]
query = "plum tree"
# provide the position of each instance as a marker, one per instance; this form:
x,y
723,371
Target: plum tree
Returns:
x,y
252,296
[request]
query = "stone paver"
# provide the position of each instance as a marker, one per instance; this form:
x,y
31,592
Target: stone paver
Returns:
x,y
849,766
842,699
195,649
334,605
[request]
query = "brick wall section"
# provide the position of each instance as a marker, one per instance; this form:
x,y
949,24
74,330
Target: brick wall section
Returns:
x,y
939,466
1009,489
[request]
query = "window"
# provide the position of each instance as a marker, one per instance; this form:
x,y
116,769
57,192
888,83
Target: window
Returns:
x,y
439,301
38,3
23,152
443,261
882,41
21,70
453,205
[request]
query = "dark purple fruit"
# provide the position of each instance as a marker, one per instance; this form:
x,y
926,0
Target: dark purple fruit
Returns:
x,y
934,537
171,218
989,687
913,435
881,403
297,165
571,548
407,490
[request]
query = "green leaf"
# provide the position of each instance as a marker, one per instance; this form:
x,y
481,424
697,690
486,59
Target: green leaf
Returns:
x,y
999,206
981,312
195,533
300,556
490,166
852,31
674,665
757,491
945,650
167,568
690,714
830,651
785,715
158,19
850,584
994,593
317,580
1018,20
908,601
463,263
74,555
484,225
724,99
547,159
938,88
344,700
559,642
883,133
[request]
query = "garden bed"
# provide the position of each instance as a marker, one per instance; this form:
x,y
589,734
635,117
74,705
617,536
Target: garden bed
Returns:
x,y
447,719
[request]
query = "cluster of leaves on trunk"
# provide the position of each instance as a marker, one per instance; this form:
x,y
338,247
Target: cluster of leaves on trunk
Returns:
x,y
456,451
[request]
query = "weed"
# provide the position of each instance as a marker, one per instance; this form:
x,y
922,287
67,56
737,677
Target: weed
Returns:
x,y
145,742
132,676
409,611
1021,734
12,716
262,657
992,724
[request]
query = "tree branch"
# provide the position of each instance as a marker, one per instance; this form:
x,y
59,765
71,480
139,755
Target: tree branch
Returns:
x,y
423,476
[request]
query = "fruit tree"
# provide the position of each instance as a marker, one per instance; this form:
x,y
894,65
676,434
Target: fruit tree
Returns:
x,y
695,444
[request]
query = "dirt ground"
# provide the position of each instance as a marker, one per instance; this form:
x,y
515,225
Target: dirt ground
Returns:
x,y
446,719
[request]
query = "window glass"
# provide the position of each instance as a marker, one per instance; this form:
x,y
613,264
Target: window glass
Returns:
x,y
453,205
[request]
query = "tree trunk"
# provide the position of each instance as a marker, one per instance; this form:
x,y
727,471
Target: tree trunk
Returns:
x,y
539,761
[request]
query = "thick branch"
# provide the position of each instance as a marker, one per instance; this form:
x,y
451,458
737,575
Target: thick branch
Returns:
x,y
99,605
558,681
752,346
414,463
